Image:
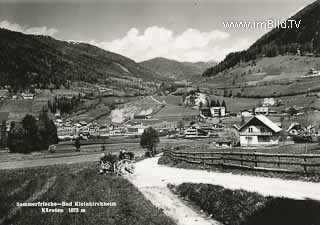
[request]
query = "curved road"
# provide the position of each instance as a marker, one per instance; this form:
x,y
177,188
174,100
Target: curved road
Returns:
x,y
152,179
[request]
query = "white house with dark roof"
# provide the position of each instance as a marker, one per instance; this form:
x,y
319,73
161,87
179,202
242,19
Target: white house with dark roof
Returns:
x,y
259,131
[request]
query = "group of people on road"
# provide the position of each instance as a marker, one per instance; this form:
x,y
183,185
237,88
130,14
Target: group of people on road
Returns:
x,y
117,164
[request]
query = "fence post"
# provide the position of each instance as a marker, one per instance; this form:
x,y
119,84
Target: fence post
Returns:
x,y
241,162
304,166
255,160
279,160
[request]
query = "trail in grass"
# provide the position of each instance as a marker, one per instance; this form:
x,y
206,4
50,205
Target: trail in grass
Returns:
x,y
152,179
37,195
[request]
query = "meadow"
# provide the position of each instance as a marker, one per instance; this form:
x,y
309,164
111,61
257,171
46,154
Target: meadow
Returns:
x,y
77,182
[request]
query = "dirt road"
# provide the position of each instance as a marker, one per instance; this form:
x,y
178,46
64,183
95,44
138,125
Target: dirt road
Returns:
x,y
152,179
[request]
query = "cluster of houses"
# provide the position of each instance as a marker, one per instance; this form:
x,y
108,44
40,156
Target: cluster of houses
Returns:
x,y
263,110
259,130
296,129
4,94
68,130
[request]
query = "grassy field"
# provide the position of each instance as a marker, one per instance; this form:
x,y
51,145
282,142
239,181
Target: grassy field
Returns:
x,y
175,113
237,104
239,207
268,69
72,183
275,76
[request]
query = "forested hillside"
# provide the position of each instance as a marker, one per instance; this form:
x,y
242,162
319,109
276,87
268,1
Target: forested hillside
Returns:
x,y
42,61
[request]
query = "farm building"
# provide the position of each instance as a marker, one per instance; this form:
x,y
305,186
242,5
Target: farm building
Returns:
x,y
259,131
195,132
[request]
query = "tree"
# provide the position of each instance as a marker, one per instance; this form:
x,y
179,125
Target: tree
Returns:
x,y
149,140
29,125
200,105
77,144
15,141
292,111
3,134
223,104
243,121
47,129
180,125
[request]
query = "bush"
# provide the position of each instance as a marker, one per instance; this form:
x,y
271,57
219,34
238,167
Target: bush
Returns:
x,y
165,160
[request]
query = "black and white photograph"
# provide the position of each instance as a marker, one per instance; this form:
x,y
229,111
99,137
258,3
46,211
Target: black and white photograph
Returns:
x,y
159,112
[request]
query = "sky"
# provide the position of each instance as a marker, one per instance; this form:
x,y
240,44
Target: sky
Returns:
x,y
183,30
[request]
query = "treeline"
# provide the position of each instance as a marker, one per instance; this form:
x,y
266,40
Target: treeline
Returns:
x,y
214,103
63,104
304,40
32,134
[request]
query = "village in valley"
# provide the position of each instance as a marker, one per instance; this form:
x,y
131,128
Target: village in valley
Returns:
x,y
159,113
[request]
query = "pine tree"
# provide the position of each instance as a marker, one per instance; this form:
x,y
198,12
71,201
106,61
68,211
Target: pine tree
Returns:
x,y
3,134
223,104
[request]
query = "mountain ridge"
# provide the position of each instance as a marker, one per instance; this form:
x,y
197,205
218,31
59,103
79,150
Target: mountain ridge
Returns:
x,y
40,61
176,69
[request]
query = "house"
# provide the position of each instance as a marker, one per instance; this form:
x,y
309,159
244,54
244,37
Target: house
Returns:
x,y
222,143
195,132
4,93
259,131
261,110
27,96
218,111
94,130
136,129
294,128
141,116
206,112
268,102
66,132
246,113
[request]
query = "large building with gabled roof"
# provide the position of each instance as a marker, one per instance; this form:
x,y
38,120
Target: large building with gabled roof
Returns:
x,y
259,131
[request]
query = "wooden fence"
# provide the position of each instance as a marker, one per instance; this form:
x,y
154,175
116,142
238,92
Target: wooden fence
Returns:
x,y
289,163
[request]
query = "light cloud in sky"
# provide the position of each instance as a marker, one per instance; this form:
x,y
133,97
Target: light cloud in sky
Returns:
x,y
28,30
190,45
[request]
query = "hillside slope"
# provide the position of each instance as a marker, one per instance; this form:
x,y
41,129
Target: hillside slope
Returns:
x,y
304,40
43,61
177,70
